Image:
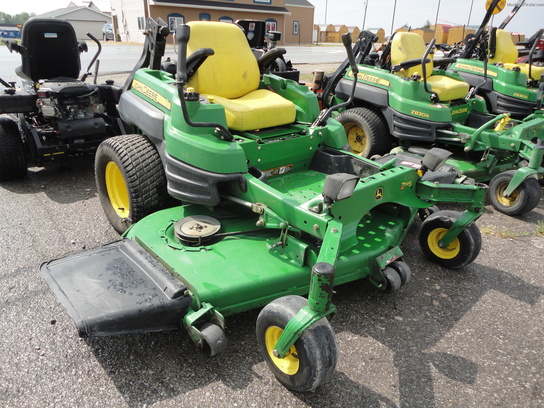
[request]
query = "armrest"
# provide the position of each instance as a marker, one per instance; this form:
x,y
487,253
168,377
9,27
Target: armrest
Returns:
x,y
408,64
13,46
269,57
196,59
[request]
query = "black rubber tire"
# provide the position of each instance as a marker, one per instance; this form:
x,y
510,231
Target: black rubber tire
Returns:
x,y
393,278
522,200
13,163
361,124
315,350
425,213
143,174
404,271
461,252
214,340
278,65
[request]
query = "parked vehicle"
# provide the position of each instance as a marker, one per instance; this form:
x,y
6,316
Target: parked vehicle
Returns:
x,y
55,114
107,32
275,209
400,94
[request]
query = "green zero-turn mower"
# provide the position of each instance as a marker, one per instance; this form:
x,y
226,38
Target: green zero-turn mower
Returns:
x,y
488,63
400,94
276,210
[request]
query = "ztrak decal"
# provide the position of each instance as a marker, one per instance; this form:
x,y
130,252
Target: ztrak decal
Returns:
x,y
518,95
476,70
151,94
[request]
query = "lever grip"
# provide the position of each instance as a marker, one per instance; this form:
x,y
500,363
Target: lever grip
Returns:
x,y
183,32
346,40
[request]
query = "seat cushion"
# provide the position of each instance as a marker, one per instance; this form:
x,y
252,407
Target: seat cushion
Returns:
x,y
536,72
257,110
448,88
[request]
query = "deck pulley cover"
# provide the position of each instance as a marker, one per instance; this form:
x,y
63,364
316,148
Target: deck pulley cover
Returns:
x,y
196,228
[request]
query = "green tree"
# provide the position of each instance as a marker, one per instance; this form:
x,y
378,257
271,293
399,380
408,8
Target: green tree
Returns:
x,y
20,18
427,24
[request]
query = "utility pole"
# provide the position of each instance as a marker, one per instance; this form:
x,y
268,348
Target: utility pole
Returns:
x,y
393,19
364,18
436,19
470,12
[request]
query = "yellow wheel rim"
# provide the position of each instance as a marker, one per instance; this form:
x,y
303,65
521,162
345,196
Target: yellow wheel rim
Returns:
x,y
290,363
503,200
450,252
117,190
357,138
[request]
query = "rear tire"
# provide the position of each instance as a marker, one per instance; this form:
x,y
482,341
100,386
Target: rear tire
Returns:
x,y
130,180
523,199
366,131
311,360
13,164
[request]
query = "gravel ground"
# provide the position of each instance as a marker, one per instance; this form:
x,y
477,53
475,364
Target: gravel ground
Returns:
x,y
467,338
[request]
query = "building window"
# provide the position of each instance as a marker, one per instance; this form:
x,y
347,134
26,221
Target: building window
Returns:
x,y
141,23
174,20
295,27
271,25
226,19
204,17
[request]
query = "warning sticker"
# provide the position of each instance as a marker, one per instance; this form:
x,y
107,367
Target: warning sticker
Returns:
x,y
278,171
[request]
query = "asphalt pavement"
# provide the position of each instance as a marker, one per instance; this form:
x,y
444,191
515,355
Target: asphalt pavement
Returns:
x,y
463,338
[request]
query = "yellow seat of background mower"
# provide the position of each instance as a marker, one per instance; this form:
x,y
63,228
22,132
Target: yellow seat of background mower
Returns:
x,y
231,78
407,46
506,53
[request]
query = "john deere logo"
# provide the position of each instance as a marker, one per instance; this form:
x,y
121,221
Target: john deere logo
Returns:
x,y
378,195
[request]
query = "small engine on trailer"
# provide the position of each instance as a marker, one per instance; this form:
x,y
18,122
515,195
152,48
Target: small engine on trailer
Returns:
x,y
55,114
69,111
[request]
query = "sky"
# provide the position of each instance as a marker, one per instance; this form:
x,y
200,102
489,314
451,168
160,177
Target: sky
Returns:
x,y
379,13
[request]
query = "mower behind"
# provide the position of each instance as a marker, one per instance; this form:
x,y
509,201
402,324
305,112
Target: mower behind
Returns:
x,y
55,114
489,61
400,94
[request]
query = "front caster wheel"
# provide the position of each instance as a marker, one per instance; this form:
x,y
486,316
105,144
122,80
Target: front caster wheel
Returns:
x,y
523,199
397,274
311,360
460,252
213,341
130,180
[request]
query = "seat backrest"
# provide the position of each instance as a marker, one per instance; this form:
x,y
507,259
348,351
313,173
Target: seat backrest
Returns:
x,y
49,50
408,46
232,71
505,49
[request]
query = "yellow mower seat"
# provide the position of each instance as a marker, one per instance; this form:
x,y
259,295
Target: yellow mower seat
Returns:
x,y
407,46
231,78
506,53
